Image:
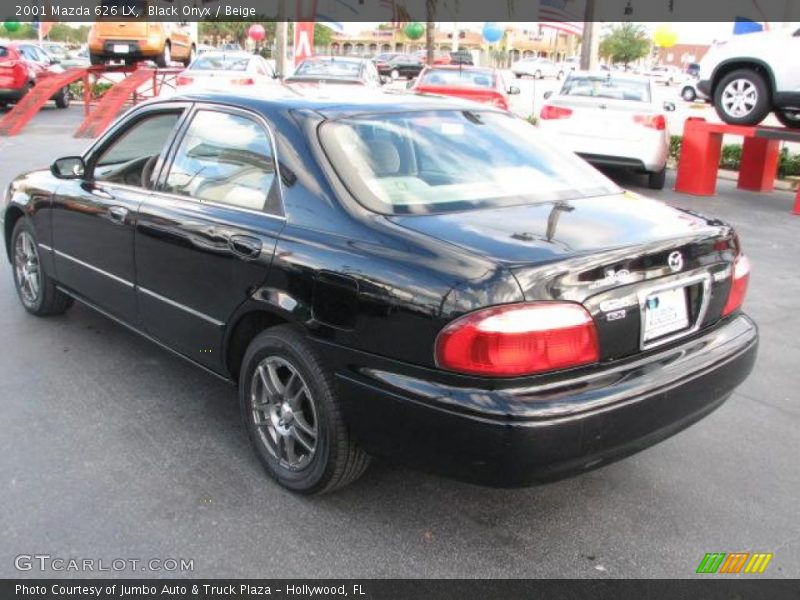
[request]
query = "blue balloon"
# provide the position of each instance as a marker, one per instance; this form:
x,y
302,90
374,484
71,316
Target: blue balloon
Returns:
x,y
492,32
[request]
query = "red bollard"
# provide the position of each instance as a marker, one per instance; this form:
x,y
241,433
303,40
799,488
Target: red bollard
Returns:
x,y
699,160
759,165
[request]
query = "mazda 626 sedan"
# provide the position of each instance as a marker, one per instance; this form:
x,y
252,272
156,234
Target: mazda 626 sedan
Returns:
x,y
408,277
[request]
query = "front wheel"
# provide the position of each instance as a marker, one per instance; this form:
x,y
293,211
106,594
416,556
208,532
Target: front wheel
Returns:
x,y
36,290
789,118
689,94
190,59
657,179
293,416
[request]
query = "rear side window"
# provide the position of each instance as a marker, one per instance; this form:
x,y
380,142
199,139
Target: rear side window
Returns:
x,y
224,158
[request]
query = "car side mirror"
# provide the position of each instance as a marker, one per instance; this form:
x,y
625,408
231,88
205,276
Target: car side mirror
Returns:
x,y
513,90
547,94
69,167
669,106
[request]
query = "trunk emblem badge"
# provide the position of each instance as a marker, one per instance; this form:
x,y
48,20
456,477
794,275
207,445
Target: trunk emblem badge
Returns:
x,y
675,261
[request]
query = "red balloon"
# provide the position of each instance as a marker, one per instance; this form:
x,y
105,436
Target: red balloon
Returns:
x,y
256,33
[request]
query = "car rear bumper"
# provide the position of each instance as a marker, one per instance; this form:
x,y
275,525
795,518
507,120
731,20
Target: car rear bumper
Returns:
x,y
515,436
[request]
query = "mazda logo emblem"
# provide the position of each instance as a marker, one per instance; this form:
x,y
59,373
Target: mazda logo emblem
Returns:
x,y
675,261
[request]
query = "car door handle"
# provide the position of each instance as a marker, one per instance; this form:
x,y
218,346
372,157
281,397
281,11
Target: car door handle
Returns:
x,y
118,214
245,245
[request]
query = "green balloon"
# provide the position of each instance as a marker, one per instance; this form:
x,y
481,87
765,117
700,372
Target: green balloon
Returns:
x,y
414,31
12,26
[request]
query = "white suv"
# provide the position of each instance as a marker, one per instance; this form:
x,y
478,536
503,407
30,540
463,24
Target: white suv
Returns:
x,y
751,75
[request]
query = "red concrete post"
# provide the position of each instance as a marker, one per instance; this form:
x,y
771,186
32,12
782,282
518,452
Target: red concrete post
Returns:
x,y
759,164
699,160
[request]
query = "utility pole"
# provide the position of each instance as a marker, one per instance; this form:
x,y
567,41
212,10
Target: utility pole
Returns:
x,y
590,43
281,33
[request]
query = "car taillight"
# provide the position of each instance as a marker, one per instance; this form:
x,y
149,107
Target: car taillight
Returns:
x,y
499,102
741,277
555,112
184,80
519,339
652,121
243,81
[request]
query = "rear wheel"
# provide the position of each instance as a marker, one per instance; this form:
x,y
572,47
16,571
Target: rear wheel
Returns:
x,y
789,118
293,416
189,59
62,98
656,180
742,98
36,290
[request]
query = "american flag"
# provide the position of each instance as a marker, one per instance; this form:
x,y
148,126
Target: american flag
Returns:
x,y
560,14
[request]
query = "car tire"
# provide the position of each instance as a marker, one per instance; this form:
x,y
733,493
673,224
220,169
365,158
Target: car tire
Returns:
x,y
164,59
96,59
753,86
189,59
689,94
283,382
788,118
62,98
657,179
36,289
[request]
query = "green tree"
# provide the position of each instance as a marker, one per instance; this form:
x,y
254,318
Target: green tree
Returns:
x,y
625,43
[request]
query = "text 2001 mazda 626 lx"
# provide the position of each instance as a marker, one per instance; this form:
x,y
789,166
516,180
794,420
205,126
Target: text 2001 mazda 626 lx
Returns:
x,y
414,278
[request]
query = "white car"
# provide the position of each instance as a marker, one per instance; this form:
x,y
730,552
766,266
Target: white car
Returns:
x,y
751,75
665,74
221,71
690,93
611,119
538,68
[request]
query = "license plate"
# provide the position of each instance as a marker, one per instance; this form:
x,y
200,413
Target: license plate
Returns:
x,y
665,312
121,48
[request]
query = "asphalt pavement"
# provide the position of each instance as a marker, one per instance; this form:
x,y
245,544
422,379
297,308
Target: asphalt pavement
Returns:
x,y
112,448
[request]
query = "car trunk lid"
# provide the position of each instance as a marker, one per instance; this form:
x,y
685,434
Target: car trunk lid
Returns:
x,y
122,30
603,119
646,272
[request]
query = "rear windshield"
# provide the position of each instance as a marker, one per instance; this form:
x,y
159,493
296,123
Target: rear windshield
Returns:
x,y
328,68
3,51
221,63
450,160
458,78
612,88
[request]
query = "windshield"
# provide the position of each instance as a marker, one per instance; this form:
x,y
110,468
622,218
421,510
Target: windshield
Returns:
x,y
449,160
221,63
327,67
458,78
607,87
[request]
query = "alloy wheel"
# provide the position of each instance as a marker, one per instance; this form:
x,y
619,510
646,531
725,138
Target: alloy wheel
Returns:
x,y
27,269
284,412
739,98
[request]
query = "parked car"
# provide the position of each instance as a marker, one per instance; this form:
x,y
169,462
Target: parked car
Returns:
x,y
538,68
612,120
140,40
76,58
690,93
334,70
55,50
461,57
665,74
417,278
231,47
692,70
406,66
21,66
470,83
219,71
752,75
572,63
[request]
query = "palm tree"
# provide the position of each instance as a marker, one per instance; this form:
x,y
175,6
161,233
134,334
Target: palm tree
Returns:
x,y
430,28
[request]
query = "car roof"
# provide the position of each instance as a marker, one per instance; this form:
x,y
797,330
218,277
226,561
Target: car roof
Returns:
x,y
471,68
609,75
338,58
330,102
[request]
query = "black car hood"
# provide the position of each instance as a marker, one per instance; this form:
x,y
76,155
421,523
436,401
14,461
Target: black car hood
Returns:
x,y
544,232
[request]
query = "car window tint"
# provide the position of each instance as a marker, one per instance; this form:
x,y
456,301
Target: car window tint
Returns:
x,y
136,150
224,158
458,78
221,63
607,87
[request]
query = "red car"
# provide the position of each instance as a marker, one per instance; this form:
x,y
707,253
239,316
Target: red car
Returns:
x,y
21,65
471,83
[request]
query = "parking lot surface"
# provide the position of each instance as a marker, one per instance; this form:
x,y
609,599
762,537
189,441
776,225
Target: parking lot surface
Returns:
x,y
113,448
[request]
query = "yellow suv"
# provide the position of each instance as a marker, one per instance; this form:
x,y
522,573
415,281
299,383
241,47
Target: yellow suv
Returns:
x,y
134,41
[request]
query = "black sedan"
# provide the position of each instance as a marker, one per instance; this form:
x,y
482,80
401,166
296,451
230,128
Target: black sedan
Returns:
x,y
406,66
408,277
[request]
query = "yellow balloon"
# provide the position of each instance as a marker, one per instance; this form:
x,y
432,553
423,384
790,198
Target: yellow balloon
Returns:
x,y
665,36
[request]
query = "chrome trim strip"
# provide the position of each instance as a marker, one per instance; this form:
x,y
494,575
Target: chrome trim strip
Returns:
x,y
181,306
45,247
93,268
